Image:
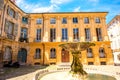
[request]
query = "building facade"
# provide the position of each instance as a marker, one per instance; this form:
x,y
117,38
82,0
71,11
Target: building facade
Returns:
x,y
114,35
34,38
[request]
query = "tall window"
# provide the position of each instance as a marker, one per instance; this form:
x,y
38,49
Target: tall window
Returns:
x,y
64,20
87,34
75,20
102,53
64,34
86,20
99,34
24,20
52,34
53,21
97,20
38,35
75,34
38,53
39,21
24,33
89,53
53,53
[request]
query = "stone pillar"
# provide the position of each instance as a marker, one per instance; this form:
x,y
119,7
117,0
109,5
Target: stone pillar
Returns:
x,y
58,30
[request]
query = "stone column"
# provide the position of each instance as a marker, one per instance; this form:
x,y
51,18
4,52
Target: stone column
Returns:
x,y
70,37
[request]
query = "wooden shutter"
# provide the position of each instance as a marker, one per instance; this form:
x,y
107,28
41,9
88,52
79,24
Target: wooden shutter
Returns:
x,y
15,29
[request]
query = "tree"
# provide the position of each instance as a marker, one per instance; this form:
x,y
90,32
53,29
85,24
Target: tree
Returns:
x,y
75,49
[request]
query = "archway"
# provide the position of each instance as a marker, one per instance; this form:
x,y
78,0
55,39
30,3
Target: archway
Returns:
x,y
22,56
7,56
64,56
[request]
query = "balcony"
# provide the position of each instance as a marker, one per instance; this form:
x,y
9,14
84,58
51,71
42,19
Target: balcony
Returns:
x,y
10,36
21,39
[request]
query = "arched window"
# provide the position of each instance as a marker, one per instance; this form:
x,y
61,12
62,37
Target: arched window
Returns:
x,y
53,53
38,53
101,53
89,53
7,54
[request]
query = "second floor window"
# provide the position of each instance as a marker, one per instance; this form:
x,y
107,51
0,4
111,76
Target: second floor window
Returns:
x,y
97,20
39,21
23,33
52,34
75,20
99,34
75,34
86,20
64,34
64,20
53,21
87,34
11,12
38,35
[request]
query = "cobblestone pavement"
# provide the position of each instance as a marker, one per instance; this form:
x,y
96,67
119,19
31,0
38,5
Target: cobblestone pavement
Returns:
x,y
22,73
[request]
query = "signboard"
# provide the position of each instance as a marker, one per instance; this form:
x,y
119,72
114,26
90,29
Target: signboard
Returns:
x,y
1,4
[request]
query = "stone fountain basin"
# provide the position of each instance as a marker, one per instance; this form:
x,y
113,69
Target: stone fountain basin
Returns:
x,y
64,75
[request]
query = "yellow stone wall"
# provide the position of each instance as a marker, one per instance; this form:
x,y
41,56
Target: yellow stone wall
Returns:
x,y
45,45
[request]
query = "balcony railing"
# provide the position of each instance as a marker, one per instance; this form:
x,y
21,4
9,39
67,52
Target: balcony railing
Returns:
x,y
21,39
10,36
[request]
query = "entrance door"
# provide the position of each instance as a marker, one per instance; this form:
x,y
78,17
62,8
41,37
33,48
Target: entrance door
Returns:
x,y
22,55
65,56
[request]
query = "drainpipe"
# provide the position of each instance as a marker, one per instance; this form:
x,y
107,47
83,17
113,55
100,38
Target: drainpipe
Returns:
x,y
42,40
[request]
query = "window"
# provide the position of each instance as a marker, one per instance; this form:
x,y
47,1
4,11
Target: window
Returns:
x,y
89,53
86,20
99,34
39,21
64,34
24,20
24,33
87,34
97,20
11,12
75,20
38,53
101,53
53,53
52,21
75,34
64,20
52,34
38,35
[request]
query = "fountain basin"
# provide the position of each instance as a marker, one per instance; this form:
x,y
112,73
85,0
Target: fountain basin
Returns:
x,y
67,76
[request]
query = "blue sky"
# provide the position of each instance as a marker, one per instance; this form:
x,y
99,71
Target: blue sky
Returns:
x,y
40,6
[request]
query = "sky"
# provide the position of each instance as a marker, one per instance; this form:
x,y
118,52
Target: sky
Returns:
x,y
41,6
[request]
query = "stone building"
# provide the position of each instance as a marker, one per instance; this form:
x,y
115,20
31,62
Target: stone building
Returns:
x,y
34,38
114,35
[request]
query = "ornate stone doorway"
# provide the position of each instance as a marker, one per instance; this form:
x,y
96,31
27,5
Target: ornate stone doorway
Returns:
x,y
64,56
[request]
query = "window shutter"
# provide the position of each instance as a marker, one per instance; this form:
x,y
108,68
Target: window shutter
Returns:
x,y
15,29
8,10
16,15
6,25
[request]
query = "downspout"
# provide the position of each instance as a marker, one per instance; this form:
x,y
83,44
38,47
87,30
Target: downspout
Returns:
x,y
42,40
